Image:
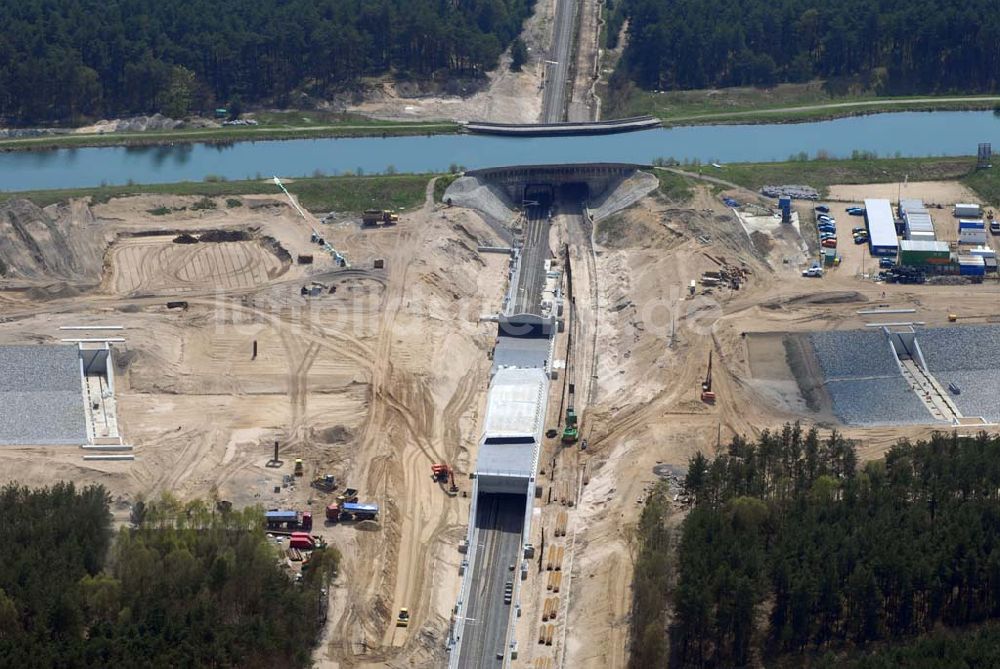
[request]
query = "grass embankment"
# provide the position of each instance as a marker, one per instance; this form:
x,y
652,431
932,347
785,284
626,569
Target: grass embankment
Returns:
x,y
784,103
441,185
344,194
821,174
674,186
986,183
272,125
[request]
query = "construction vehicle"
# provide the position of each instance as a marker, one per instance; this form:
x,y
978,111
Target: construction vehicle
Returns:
x,y
348,496
403,619
299,469
351,511
371,217
571,431
277,519
325,483
442,473
707,395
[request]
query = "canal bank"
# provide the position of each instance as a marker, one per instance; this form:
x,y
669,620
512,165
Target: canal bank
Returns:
x,y
914,134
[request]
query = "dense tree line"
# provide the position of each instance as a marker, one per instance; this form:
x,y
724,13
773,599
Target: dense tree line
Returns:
x,y
791,549
969,648
894,45
652,582
188,587
64,59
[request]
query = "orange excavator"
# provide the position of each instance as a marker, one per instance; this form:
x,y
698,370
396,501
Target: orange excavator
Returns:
x,y
443,474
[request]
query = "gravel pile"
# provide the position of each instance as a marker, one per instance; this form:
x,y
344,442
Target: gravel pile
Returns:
x,y
877,401
796,191
968,356
41,399
850,354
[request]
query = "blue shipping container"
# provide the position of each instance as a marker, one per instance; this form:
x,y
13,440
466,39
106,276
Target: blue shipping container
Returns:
x,y
966,268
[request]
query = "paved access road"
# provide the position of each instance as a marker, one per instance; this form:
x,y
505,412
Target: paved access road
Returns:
x,y
499,520
557,71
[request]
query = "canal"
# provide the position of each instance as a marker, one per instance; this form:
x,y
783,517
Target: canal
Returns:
x,y
903,134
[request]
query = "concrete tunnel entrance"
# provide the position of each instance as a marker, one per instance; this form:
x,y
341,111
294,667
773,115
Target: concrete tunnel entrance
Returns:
x,y
547,194
550,185
538,195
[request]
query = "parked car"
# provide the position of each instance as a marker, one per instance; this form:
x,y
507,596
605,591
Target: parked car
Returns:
x,y
886,263
826,218
859,229
823,209
827,235
860,239
830,243
856,211
814,271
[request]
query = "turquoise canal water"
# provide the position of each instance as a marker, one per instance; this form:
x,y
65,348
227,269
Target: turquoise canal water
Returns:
x,y
906,133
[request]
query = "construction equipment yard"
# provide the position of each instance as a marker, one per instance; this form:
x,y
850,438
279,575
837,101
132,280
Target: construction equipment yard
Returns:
x,y
393,385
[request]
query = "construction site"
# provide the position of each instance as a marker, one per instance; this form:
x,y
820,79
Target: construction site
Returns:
x,y
470,399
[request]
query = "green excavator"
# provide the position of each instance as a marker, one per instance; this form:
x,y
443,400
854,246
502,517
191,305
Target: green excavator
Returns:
x,y
571,431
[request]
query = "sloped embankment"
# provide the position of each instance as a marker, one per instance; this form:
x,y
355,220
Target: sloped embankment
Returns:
x,y
62,243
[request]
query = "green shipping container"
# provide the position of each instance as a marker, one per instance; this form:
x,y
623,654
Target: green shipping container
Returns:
x,y
916,253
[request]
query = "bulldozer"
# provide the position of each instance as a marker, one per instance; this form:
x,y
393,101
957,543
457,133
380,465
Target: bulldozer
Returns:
x,y
325,483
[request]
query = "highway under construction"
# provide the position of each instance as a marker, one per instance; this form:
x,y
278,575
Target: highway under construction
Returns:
x,y
509,446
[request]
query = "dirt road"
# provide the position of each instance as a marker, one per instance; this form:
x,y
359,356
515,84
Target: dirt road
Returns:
x,y
838,105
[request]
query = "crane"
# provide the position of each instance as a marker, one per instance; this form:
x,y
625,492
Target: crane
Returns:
x,y
707,395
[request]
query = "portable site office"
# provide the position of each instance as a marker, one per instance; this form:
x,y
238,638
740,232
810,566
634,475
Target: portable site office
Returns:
x,y
881,227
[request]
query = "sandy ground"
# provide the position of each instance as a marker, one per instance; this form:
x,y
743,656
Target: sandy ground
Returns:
x,y
383,377
372,383
510,97
944,193
583,104
654,340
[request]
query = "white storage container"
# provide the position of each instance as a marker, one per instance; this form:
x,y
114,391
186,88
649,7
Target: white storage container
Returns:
x,y
968,211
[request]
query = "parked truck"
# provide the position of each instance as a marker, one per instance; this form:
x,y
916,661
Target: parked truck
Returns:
x,y
379,217
276,519
351,511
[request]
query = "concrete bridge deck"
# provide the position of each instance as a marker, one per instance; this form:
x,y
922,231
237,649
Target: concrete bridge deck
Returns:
x,y
563,128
